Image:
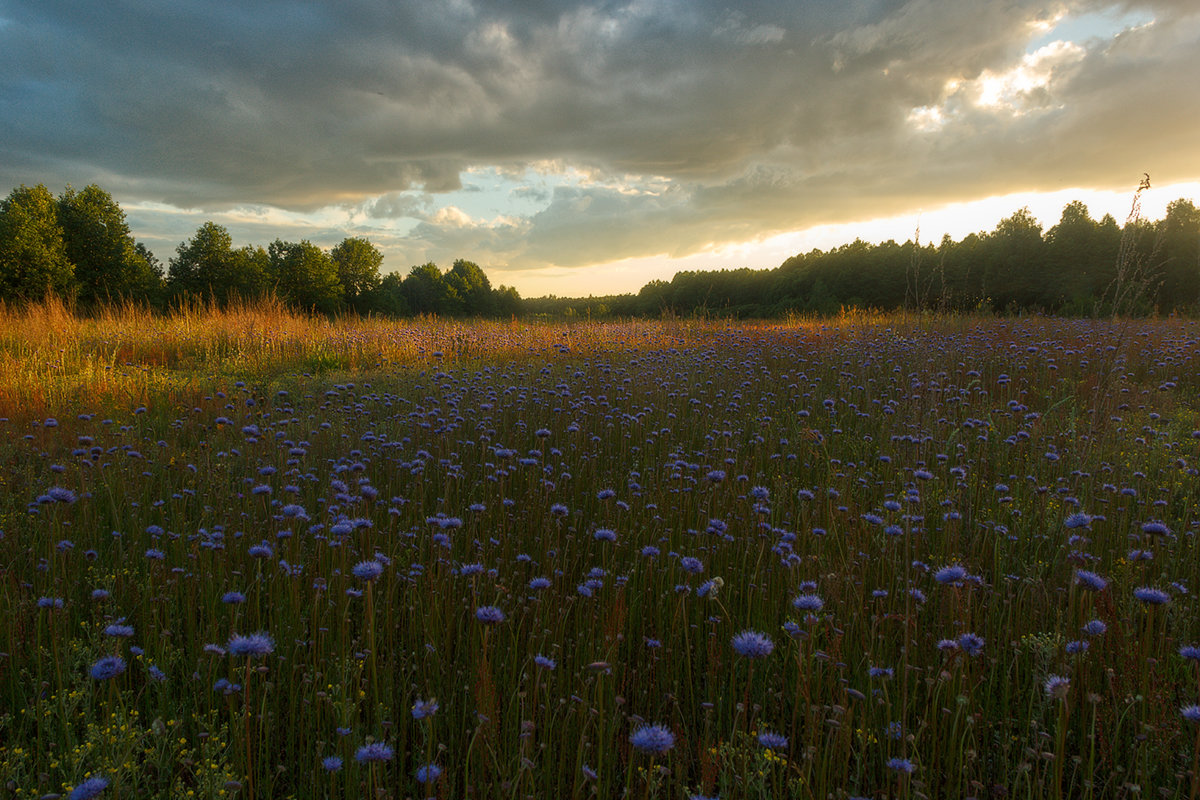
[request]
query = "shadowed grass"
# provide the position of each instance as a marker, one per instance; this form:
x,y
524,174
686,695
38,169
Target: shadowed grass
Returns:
x,y
593,482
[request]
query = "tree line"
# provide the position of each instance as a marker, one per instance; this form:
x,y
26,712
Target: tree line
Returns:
x,y
1079,267
79,246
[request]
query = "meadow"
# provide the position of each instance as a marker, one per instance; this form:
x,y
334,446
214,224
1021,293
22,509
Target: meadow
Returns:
x,y
248,553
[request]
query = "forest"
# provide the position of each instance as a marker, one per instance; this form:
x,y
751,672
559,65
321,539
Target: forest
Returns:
x,y
79,247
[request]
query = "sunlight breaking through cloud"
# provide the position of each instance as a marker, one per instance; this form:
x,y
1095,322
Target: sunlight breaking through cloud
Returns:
x,y
1027,86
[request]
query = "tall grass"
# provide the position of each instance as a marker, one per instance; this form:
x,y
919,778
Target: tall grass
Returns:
x,y
630,498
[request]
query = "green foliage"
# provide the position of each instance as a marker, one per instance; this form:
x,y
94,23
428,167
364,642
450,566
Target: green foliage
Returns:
x,y
357,262
424,289
208,268
388,297
471,288
305,276
1181,255
80,247
108,265
33,257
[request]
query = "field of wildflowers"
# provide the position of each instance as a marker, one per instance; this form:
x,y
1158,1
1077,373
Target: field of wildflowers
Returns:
x,y
249,554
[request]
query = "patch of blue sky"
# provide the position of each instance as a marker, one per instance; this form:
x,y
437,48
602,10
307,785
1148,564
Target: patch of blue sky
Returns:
x,y
1089,26
491,192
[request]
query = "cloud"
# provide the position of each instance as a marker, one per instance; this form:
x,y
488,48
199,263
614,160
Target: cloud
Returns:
x,y
398,205
623,129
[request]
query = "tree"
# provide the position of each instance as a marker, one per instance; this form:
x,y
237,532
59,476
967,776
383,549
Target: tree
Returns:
x,y
388,297
305,276
33,256
358,262
468,284
207,267
1017,260
1071,258
151,259
107,263
654,298
424,289
199,261
249,272
1181,254
508,302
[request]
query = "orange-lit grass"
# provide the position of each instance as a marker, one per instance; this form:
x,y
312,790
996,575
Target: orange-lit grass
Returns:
x,y
52,360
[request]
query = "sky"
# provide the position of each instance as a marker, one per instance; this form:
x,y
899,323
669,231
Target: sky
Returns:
x,y
577,148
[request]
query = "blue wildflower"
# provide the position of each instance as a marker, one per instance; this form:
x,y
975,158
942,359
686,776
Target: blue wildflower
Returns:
x,y
261,550
489,615
428,773
1151,596
107,667
1090,580
375,751
61,495
225,687
1155,529
1190,713
1056,686
952,574
652,739
254,644
368,570
119,630
901,765
331,763
808,602
971,644
89,788
773,741
752,644
1095,627
424,708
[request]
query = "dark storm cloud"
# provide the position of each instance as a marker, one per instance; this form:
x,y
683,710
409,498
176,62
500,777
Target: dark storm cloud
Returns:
x,y
703,122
